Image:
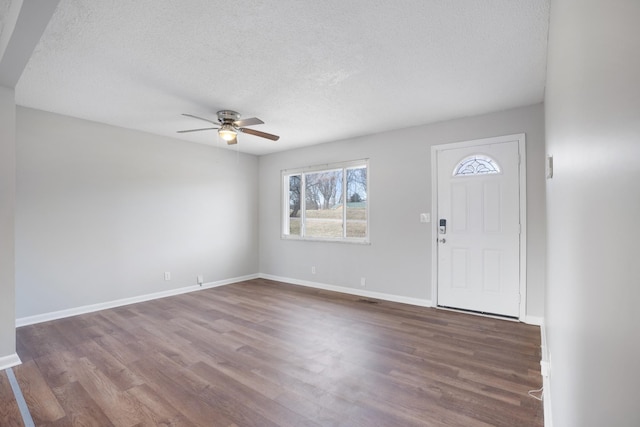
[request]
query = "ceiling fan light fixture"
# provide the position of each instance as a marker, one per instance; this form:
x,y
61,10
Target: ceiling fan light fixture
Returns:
x,y
227,132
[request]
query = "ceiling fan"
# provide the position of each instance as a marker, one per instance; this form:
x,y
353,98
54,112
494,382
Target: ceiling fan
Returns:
x,y
229,124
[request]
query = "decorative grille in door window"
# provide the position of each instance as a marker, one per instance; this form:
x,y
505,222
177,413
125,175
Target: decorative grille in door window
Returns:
x,y
477,164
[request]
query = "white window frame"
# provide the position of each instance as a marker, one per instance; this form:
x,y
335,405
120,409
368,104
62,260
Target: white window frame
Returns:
x,y
284,180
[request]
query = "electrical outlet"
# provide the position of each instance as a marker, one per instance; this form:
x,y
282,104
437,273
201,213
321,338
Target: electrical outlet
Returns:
x,y
313,269
167,275
363,282
200,279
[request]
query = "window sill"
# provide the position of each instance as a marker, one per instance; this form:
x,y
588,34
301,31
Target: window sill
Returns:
x,y
325,240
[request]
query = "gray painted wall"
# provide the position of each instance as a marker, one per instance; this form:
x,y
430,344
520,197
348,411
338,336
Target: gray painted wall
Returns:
x,y
7,212
102,212
398,261
593,208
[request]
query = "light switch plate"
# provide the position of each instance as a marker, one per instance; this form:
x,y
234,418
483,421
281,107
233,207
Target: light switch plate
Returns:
x,y
425,217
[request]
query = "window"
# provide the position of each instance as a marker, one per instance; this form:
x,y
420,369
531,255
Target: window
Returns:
x,y
477,164
327,202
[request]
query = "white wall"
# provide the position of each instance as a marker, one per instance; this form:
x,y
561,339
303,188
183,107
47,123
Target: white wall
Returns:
x,y
593,205
7,212
102,212
398,261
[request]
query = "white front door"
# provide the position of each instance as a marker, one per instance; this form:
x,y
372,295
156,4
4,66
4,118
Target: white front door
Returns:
x,y
478,219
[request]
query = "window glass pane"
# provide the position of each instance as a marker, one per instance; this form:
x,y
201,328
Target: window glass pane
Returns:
x,y
330,203
357,202
323,204
294,205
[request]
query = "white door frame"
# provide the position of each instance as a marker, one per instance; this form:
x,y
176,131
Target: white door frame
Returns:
x,y
520,137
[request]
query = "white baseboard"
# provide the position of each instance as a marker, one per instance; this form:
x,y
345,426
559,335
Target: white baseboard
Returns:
x,y
545,371
351,291
546,401
45,317
9,361
534,320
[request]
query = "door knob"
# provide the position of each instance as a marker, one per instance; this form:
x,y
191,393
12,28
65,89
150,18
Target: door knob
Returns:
x,y
443,240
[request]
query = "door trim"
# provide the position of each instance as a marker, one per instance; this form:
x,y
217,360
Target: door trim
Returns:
x,y
520,137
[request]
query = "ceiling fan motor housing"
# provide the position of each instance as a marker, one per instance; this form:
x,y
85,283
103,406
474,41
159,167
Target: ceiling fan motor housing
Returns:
x,y
228,116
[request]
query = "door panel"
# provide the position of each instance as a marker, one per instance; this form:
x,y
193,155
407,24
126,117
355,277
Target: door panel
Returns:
x,y
459,268
492,204
479,256
491,268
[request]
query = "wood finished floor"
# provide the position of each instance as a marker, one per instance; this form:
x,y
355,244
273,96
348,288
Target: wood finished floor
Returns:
x,y
9,410
262,353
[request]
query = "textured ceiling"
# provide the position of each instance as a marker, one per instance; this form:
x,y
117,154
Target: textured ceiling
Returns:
x,y
314,71
4,18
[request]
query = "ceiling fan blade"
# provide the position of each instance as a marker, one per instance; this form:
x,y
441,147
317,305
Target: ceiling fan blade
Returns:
x,y
248,122
232,141
195,130
200,118
260,134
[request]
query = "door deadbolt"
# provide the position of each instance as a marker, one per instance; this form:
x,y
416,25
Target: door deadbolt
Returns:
x,y
443,226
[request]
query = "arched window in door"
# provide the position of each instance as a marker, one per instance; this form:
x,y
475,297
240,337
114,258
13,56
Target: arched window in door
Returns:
x,y
478,164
